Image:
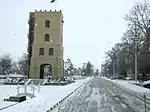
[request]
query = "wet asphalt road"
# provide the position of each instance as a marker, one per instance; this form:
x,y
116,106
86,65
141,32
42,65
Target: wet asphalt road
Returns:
x,y
99,95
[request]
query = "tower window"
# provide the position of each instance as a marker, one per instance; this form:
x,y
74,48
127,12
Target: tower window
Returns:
x,y
47,23
41,51
51,51
46,37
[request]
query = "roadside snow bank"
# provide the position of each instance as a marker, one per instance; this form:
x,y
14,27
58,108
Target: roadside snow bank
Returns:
x,y
48,97
129,86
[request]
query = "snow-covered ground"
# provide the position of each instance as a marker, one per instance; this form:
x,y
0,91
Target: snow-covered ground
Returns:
x,y
100,95
146,82
48,96
2,81
127,85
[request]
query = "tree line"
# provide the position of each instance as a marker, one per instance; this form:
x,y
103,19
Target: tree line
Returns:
x,y
10,66
87,69
136,39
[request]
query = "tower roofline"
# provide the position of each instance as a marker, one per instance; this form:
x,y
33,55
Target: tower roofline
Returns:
x,y
55,11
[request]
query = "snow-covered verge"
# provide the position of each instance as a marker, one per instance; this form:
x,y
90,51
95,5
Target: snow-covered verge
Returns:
x,y
47,98
129,85
100,96
2,81
130,88
131,93
146,82
10,90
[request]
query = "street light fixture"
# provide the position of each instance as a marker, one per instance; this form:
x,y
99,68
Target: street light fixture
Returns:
x,y
136,40
136,59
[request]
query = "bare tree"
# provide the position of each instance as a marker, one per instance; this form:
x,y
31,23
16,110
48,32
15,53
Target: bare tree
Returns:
x,y
69,67
23,64
5,64
15,68
140,16
138,20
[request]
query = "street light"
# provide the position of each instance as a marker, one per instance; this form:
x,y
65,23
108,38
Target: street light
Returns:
x,y
135,54
135,39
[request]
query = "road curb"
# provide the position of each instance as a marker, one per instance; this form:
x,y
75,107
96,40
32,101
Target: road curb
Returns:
x,y
8,106
59,102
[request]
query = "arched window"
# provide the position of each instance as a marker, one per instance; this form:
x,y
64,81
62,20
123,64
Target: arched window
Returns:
x,y
46,37
47,23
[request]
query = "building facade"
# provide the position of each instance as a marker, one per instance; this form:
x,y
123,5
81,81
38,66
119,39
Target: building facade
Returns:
x,y
45,44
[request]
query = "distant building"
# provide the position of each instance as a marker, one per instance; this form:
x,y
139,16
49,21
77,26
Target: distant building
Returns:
x,y
45,44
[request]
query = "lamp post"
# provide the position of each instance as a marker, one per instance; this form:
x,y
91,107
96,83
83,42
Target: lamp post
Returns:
x,y
135,52
135,39
136,59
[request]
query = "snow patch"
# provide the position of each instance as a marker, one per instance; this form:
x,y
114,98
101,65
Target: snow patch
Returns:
x,y
123,105
117,99
48,97
128,85
104,97
95,96
112,109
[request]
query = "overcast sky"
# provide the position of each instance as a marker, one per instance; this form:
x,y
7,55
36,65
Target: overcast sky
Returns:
x,y
88,26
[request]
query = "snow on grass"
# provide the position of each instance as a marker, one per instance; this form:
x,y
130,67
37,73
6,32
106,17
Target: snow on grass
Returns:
x,y
133,87
146,82
123,105
37,104
129,85
5,92
56,93
48,97
2,81
112,109
9,90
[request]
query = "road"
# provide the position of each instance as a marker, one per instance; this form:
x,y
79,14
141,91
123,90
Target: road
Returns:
x,y
99,95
